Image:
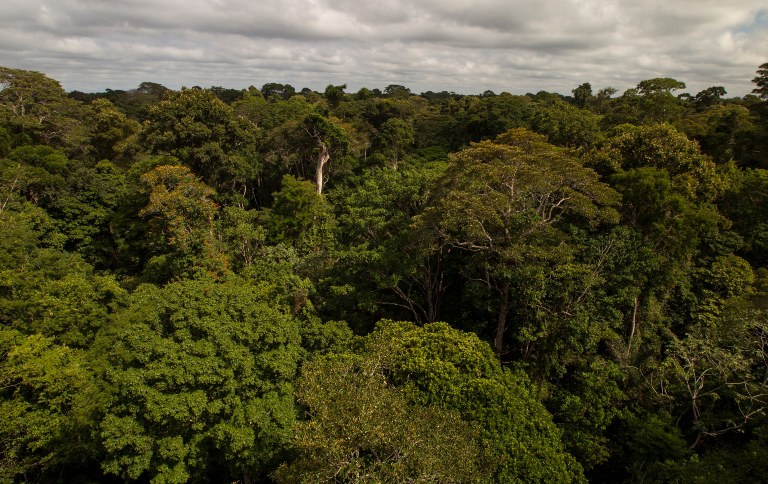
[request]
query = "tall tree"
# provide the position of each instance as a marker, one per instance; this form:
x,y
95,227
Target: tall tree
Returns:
x,y
761,81
204,133
36,109
502,202
328,140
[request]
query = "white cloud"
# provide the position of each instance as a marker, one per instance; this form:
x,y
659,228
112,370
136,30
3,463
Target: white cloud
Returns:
x,y
502,45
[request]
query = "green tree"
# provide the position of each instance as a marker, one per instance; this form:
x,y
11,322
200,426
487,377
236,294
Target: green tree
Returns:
x,y
360,429
651,102
565,125
328,139
502,202
440,366
114,136
396,136
583,95
334,94
385,262
204,134
200,378
709,97
36,109
182,214
49,400
301,217
761,81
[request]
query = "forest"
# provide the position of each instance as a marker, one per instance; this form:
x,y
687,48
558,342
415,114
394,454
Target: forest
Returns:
x,y
272,285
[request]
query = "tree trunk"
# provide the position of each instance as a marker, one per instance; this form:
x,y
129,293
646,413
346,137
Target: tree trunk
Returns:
x,y
322,158
501,324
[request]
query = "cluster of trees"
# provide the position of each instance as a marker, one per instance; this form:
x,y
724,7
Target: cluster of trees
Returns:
x,y
379,286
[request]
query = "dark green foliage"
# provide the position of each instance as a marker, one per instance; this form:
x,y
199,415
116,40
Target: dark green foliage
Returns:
x,y
438,365
204,133
761,81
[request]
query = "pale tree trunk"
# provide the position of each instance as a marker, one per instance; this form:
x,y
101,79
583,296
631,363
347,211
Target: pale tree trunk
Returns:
x,y
322,158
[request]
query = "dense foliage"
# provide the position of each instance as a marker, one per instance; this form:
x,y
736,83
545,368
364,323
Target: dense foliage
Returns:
x,y
202,285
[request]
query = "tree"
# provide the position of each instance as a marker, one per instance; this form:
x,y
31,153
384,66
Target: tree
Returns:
x,y
392,263
709,96
583,94
651,102
37,109
436,365
664,147
49,400
276,90
502,202
328,140
114,136
396,135
565,125
397,91
334,94
761,81
204,133
361,429
200,376
182,222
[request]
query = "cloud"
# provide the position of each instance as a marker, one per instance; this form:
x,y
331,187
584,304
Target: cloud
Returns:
x,y
468,47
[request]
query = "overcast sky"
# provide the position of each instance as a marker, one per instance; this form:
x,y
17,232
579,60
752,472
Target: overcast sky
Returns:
x,y
455,45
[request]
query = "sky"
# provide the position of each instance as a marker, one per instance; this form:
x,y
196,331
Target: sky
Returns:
x,y
453,45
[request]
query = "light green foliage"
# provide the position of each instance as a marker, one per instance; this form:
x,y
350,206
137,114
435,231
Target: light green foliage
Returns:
x,y
440,366
58,295
301,217
271,114
662,146
361,429
44,289
243,236
200,374
47,396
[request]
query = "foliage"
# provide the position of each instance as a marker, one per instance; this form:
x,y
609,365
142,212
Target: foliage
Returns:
x,y
611,248
360,429
48,401
200,376
440,366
